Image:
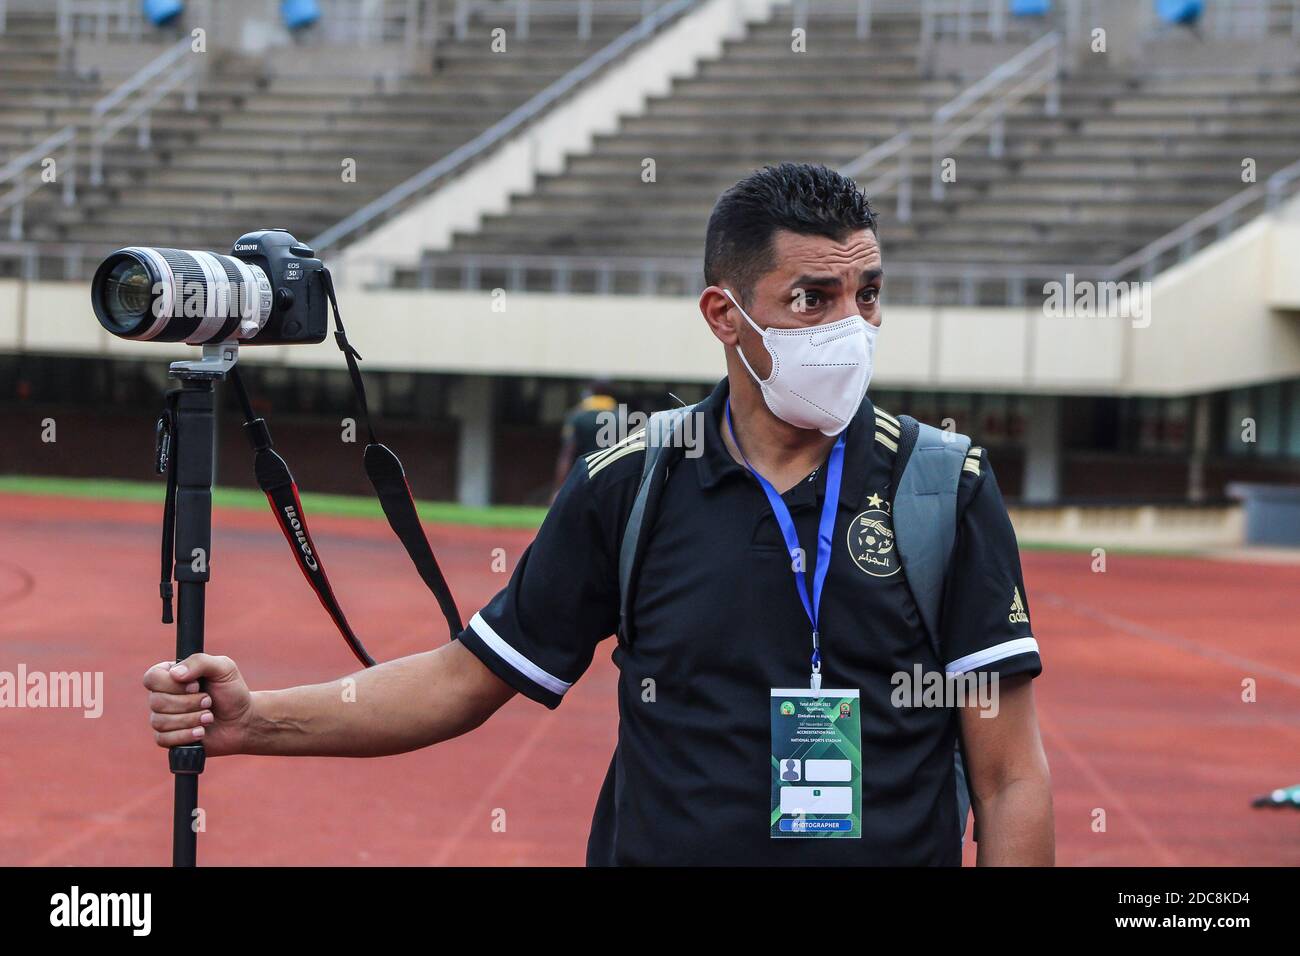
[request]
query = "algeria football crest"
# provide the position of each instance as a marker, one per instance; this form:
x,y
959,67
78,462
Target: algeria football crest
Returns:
x,y
871,540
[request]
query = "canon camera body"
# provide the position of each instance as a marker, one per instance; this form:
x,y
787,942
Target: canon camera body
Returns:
x,y
270,290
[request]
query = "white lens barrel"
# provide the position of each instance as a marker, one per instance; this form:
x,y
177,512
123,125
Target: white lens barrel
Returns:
x,y
203,296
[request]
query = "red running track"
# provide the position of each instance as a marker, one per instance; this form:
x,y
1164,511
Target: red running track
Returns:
x,y
1141,704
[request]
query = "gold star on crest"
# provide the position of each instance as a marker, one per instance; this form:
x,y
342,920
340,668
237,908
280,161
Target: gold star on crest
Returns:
x,y
875,501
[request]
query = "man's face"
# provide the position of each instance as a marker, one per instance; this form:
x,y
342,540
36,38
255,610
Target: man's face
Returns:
x,y
815,281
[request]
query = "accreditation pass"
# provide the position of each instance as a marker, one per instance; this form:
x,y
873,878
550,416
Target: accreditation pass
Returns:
x,y
816,763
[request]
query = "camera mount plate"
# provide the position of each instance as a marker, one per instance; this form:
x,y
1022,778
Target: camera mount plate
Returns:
x,y
217,361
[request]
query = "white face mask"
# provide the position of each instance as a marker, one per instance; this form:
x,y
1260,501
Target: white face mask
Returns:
x,y
819,373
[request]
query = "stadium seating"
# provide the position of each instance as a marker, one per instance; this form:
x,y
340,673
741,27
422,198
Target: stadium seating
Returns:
x,y
267,149
33,85
1129,156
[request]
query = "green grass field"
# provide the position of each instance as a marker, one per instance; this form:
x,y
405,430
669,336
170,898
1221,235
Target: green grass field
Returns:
x,y
352,506
356,506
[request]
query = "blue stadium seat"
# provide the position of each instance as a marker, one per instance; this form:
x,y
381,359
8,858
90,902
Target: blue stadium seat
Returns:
x,y
1182,12
299,13
1031,8
162,12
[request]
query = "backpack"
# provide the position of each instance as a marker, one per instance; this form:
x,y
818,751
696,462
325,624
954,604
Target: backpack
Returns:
x,y
927,469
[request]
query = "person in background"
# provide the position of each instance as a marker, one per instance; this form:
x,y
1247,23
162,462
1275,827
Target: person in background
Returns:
x,y
582,428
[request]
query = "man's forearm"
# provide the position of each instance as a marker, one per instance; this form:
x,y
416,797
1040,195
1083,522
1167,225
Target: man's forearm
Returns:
x,y
391,708
1014,826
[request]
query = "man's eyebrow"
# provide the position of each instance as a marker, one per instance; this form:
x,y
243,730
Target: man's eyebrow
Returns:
x,y
821,282
833,282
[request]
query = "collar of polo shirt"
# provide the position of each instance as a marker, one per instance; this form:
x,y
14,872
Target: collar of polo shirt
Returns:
x,y
716,465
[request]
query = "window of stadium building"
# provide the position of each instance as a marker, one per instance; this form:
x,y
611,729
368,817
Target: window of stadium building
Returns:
x,y
1263,421
999,420
1163,425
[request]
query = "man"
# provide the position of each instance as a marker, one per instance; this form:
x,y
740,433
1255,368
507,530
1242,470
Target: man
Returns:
x,y
723,625
583,426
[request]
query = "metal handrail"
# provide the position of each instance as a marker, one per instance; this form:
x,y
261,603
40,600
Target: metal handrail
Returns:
x,y
105,125
498,131
1047,49
1232,19
604,268
413,23
1000,74
525,10
64,140
31,254
1222,218
130,20
968,276
688,272
142,76
1276,185
992,12
897,148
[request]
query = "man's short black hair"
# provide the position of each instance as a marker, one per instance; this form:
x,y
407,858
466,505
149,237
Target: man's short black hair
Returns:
x,y
799,197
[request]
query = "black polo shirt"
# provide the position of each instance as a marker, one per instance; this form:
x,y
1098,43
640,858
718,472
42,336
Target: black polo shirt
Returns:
x,y
719,623
583,425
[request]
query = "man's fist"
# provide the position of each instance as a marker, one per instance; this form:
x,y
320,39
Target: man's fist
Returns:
x,y
180,713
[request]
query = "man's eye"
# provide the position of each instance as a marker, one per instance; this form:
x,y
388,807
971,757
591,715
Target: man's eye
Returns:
x,y
871,295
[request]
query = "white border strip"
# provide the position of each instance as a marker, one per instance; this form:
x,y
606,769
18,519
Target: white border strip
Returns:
x,y
516,660
216,297
254,299
1021,645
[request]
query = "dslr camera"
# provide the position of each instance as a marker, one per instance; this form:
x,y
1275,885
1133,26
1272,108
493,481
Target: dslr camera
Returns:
x,y
270,290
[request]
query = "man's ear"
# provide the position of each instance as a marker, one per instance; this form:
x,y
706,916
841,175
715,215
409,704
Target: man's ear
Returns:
x,y
720,315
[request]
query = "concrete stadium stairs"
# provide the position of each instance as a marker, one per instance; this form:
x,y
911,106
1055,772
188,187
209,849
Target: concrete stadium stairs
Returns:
x,y
1128,158
267,150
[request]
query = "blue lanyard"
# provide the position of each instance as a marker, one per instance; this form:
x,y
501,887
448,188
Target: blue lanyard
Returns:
x,y
825,529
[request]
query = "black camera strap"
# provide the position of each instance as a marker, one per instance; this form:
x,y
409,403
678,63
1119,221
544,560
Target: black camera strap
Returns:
x,y
165,464
386,474
383,468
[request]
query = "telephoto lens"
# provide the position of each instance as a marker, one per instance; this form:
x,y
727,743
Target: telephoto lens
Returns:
x,y
180,295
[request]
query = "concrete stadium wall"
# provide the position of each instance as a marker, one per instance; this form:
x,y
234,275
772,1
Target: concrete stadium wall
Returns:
x,y
1123,526
1227,317
635,337
649,338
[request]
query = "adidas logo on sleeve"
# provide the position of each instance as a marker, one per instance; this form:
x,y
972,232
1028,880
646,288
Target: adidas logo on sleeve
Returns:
x,y
1017,615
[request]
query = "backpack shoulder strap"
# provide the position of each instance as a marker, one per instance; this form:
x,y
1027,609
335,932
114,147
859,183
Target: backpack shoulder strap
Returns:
x,y
927,471
663,446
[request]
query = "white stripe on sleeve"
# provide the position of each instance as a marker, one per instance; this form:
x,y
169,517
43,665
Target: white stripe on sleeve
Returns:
x,y
516,660
990,655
